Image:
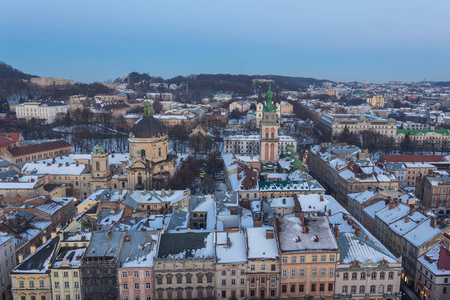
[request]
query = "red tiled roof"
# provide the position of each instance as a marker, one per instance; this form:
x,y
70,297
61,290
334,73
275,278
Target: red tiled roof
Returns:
x,y
444,259
8,138
415,158
29,149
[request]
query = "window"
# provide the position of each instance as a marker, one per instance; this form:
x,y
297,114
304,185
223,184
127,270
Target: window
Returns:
x,y
331,272
41,283
31,283
283,289
147,273
242,272
76,284
344,289
148,297
354,275
293,259
233,281
293,288
444,290
75,273
224,294
293,273
148,286
136,274
159,279
199,278
55,274
302,273
179,278
252,267
323,258
169,279
136,297
188,278
302,258
272,267
374,275
124,274
353,289
389,288
125,287
345,276
381,289
314,272
252,279
362,289
372,289
57,284
242,281
331,257
391,275
314,258
284,259
136,286
330,287
263,267
224,272
363,276
284,273
382,275
313,287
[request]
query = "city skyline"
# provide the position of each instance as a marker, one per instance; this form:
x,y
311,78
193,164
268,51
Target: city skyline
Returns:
x,y
351,41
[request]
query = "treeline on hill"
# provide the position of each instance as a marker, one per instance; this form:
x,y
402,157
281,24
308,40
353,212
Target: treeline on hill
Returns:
x,y
205,85
13,87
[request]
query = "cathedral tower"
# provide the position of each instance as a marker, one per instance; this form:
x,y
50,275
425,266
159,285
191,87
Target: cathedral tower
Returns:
x,y
270,125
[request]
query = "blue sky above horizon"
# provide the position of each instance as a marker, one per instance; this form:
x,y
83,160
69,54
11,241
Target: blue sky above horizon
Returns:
x,y
347,40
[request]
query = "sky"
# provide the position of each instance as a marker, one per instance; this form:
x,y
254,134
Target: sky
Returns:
x,y
97,40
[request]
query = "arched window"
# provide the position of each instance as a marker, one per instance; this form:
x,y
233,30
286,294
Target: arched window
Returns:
x,y
267,134
272,134
142,153
97,165
123,184
139,179
159,151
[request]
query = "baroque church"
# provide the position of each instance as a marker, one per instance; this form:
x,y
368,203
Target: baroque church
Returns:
x,y
268,144
149,164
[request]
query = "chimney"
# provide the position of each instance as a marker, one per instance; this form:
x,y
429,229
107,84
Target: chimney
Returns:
x,y
358,232
269,234
433,223
170,192
407,201
302,219
305,229
44,239
406,220
109,236
425,212
284,201
228,243
329,212
154,192
20,258
345,217
53,235
32,249
59,165
163,192
392,205
337,233
79,236
67,163
367,238
321,198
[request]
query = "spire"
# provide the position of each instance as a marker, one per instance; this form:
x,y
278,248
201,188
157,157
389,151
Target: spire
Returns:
x,y
148,111
269,105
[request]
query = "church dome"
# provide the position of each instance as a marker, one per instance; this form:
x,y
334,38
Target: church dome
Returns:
x,y
99,149
147,127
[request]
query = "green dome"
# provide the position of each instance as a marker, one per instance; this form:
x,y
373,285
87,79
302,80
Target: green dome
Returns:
x,y
99,149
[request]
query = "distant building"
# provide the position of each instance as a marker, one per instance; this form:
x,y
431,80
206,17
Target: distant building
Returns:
x,y
217,117
109,98
24,154
377,101
47,111
10,139
336,123
51,82
240,105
